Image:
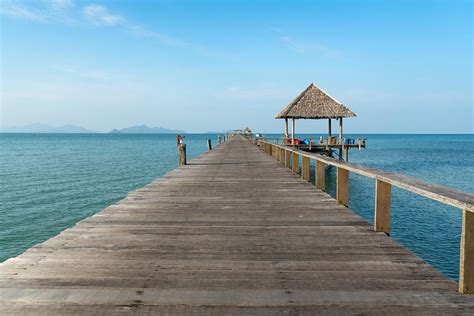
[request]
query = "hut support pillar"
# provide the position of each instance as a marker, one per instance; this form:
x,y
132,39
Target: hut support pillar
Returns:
x,y
286,129
293,132
340,138
329,127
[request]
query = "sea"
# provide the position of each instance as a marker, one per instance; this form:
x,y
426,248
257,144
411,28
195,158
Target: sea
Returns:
x,y
49,182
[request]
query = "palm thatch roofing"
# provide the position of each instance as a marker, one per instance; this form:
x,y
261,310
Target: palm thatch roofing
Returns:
x,y
314,103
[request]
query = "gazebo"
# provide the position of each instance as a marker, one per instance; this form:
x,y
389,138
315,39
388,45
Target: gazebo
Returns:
x,y
314,103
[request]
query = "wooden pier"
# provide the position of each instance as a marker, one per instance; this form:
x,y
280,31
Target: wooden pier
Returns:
x,y
231,232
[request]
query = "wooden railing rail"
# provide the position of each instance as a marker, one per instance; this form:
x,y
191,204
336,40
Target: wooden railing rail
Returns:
x,y
383,185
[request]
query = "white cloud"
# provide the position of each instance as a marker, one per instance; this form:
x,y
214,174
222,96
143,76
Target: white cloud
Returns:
x,y
17,10
100,15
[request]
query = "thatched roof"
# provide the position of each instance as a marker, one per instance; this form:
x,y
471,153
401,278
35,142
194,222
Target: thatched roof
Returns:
x,y
314,103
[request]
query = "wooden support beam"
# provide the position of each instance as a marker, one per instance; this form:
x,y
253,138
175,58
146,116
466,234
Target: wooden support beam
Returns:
x,y
320,175
282,156
329,127
209,145
286,128
287,158
383,193
466,267
182,154
293,132
346,153
295,162
340,128
342,186
305,168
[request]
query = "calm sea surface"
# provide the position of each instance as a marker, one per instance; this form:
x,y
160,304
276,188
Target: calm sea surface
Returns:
x,y
48,182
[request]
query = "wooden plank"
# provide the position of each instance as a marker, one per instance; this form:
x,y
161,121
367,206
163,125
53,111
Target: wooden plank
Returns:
x,y
383,193
229,233
342,186
466,271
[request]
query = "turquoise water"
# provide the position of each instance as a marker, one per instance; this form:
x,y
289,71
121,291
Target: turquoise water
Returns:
x,y
50,181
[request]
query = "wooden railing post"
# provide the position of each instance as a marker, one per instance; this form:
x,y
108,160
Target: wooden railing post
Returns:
x,y
383,193
209,145
182,154
320,175
305,168
282,156
287,158
296,162
342,186
466,267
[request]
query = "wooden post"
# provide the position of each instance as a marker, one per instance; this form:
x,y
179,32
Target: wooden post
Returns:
x,y
293,132
182,154
296,162
287,158
340,139
329,127
320,175
466,267
286,128
218,139
340,128
209,145
346,153
305,168
342,186
282,156
383,192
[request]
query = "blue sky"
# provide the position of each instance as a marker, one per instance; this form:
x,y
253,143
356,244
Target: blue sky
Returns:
x,y
402,66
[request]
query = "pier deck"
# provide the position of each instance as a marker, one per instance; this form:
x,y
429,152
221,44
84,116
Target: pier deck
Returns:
x,y
232,232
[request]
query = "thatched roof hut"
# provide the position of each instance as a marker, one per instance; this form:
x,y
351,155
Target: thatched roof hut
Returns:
x,y
314,103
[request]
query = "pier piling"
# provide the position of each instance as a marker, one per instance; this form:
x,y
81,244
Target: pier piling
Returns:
x,y
182,154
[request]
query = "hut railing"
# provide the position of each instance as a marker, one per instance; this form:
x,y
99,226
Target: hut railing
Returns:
x,y
290,157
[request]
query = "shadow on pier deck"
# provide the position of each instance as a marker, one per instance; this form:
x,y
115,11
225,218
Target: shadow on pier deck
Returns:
x,y
232,232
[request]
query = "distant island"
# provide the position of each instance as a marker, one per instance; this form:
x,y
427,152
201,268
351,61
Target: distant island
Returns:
x,y
45,128
143,129
37,128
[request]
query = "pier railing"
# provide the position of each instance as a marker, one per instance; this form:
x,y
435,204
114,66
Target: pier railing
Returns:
x,y
290,157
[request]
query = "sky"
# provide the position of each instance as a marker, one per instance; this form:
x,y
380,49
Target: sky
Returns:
x,y
401,66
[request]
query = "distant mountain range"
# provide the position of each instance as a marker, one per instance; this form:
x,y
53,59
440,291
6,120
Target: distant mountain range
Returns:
x,y
44,128
143,129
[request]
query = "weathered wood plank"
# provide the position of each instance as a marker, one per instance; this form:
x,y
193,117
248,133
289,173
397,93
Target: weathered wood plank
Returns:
x,y
230,232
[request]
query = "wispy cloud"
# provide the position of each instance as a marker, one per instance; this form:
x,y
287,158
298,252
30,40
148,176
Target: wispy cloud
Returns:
x,y
304,47
92,14
100,15
18,10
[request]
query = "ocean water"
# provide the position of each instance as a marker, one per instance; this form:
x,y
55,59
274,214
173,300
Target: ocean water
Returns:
x,y
48,182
